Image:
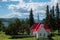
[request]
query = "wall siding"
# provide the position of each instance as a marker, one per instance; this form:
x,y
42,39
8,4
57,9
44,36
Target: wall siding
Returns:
x,y
42,32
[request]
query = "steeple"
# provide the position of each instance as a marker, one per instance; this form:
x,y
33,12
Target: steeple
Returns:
x,y
38,17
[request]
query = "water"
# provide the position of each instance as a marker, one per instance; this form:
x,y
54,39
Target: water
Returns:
x,y
5,23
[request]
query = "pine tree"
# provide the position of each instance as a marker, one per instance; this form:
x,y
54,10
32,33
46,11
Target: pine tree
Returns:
x,y
57,17
53,12
57,11
47,12
31,19
52,19
47,16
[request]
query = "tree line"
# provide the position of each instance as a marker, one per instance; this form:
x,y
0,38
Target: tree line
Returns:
x,y
53,17
17,25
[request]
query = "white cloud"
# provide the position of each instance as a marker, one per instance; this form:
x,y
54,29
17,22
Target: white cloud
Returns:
x,y
4,0
13,0
53,2
34,5
11,6
11,15
37,7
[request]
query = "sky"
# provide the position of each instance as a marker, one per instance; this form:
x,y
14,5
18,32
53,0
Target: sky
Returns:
x,y
21,8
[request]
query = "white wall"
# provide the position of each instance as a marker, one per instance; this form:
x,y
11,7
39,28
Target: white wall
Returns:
x,y
42,32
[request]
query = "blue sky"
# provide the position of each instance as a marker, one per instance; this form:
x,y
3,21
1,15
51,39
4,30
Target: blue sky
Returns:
x,y
21,8
4,7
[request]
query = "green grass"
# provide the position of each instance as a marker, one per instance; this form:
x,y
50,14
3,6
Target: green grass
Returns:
x,y
43,38
56,37
3,36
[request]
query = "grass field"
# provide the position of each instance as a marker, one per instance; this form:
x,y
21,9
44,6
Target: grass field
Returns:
x,y
6,37
3,36
56,37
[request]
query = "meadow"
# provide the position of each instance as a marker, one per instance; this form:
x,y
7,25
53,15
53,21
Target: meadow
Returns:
x,y
3,36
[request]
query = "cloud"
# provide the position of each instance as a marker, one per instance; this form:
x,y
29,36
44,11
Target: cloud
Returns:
x,y
11,6
8,0
23,8
13,0
37,7
11,15
4,0
27,6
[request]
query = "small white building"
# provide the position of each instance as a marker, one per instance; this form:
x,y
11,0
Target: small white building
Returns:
x,y
40,30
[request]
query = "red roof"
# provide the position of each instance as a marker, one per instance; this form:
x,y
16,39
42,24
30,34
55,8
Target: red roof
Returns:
x,y
36,27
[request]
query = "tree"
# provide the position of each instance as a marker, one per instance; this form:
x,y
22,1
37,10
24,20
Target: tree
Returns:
x,y
27,26
1,25
47,12
22,28
57,18
31,19
13,27
47,20
52,19
57,11
17,23
53,12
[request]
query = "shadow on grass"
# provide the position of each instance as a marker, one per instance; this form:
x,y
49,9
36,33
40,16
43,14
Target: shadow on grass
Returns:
x,y
58,34
44,39
20,36
50,38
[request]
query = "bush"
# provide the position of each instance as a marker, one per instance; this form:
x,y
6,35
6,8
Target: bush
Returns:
x,y
7,32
